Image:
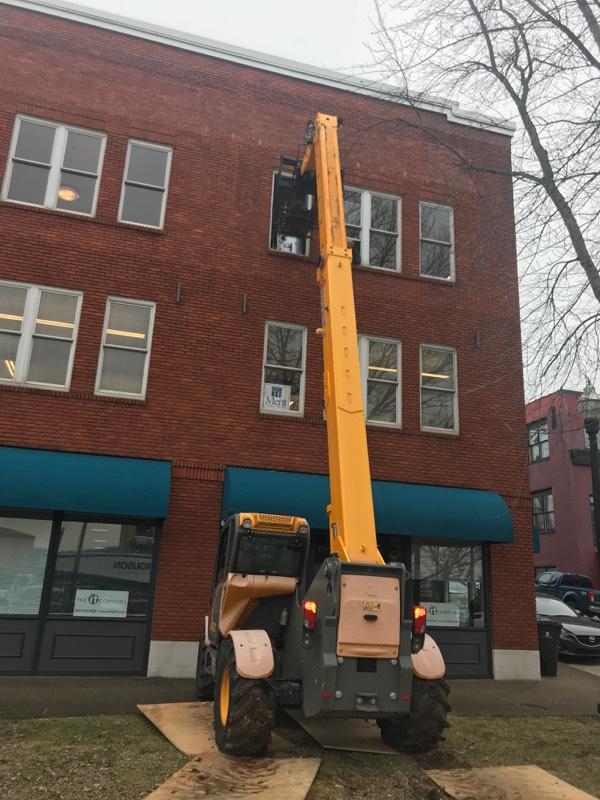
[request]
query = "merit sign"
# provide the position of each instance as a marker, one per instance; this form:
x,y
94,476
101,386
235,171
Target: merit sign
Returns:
x,y
100,603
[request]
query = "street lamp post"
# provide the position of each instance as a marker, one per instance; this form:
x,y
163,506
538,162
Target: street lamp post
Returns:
x,y
588,406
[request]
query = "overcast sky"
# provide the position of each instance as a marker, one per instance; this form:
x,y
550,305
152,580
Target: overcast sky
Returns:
x,y
327,33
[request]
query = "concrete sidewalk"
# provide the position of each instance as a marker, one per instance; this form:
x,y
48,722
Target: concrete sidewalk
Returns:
x,y
573,693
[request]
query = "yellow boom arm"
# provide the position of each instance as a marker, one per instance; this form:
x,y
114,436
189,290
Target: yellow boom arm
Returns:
x,y
351,515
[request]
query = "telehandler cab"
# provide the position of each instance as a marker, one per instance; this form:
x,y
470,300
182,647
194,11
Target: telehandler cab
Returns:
x,y
347,645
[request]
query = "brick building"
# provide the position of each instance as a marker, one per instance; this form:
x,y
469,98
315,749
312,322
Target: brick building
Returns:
x,y
561,486
158,363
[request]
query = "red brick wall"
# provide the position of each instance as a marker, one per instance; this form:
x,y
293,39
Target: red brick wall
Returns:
x,y
228,125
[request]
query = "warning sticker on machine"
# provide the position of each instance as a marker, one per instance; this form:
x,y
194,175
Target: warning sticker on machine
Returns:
x,y
100,603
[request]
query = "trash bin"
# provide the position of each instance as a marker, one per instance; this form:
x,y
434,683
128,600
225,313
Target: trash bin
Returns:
x,y
549,635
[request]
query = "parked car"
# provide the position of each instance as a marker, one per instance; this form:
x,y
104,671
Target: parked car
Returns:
x,y
576,591
579,636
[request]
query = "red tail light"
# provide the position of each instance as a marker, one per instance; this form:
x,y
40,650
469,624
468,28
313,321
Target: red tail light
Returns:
x,y
591,596
310,614
419,620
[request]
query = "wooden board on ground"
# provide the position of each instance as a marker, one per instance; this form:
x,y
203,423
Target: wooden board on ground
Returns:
x,y
339,733
505,783
189,726
221,777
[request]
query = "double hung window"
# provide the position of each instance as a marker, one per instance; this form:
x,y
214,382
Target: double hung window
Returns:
x,y
145,184
538,441
543,511
126,343
55,166
380,369
373,228
439,402
283,368
437,241
38,330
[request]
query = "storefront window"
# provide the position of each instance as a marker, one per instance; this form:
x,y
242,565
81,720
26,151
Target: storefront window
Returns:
x,y
448,581
23,553
103,570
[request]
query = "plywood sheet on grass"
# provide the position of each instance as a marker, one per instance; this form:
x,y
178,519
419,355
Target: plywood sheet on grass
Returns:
x,y
189,726
338,733
220,777
505,783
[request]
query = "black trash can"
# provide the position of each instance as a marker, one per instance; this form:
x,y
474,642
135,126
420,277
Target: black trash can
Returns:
x,y
549,635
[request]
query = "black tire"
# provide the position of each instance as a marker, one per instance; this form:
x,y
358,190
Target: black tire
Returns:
x,y
205,685
246,730
423,728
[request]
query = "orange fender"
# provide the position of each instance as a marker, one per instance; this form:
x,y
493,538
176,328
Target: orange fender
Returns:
x,y
253,654
428,663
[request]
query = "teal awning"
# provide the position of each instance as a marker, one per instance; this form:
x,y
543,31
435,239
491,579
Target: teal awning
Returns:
x,y
56,481
406,509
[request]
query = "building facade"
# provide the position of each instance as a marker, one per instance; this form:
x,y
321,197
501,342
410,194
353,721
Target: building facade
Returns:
x,y
159,366
561,486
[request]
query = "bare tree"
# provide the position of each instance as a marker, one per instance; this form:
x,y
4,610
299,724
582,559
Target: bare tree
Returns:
x,y
536,62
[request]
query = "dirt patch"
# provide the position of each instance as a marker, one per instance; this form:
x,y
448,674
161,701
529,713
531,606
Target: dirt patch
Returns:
x,y
96,758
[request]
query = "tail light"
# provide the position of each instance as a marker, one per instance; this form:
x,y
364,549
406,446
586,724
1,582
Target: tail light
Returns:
x,y
591,596
419,620
310,615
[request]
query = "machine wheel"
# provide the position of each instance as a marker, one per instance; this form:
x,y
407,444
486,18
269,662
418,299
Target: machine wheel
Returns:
x,y
243,711
205,685
423,728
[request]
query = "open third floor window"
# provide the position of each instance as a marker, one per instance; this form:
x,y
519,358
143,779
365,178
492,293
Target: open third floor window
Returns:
x,y
55,166
38,330
145,184
538,441
373,228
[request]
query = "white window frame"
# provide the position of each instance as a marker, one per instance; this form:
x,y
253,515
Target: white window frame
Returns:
x,y
291,413
270,246
56,164
151,146
427,428
26,338
111,392
363,349
365,227
452,277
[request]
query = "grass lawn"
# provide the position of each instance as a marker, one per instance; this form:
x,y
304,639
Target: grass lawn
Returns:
x,y
123,757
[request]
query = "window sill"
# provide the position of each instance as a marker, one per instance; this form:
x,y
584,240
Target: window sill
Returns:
x,y
108,222
444,281
440,432
287,255
35,387
70,394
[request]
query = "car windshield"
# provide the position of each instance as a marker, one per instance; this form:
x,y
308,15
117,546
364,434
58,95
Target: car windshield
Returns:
x,y
550,607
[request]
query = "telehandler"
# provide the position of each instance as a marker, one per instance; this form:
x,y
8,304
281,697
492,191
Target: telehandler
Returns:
x,y
348,644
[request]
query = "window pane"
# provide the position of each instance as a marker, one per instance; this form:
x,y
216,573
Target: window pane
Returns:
x,y
437,409
448,581
352,207
128,325
9,343
35,142
122,371
76,192
147,165
28,183
103,557
435,260
12,306
281,390
56,315
383,360
435,223
381,402
382,250
384,213
49,361
23,552
284,346
143,206
437,368
82,152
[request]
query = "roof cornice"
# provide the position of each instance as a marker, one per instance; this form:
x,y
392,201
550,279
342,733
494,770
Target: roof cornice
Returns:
x,y
262,61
